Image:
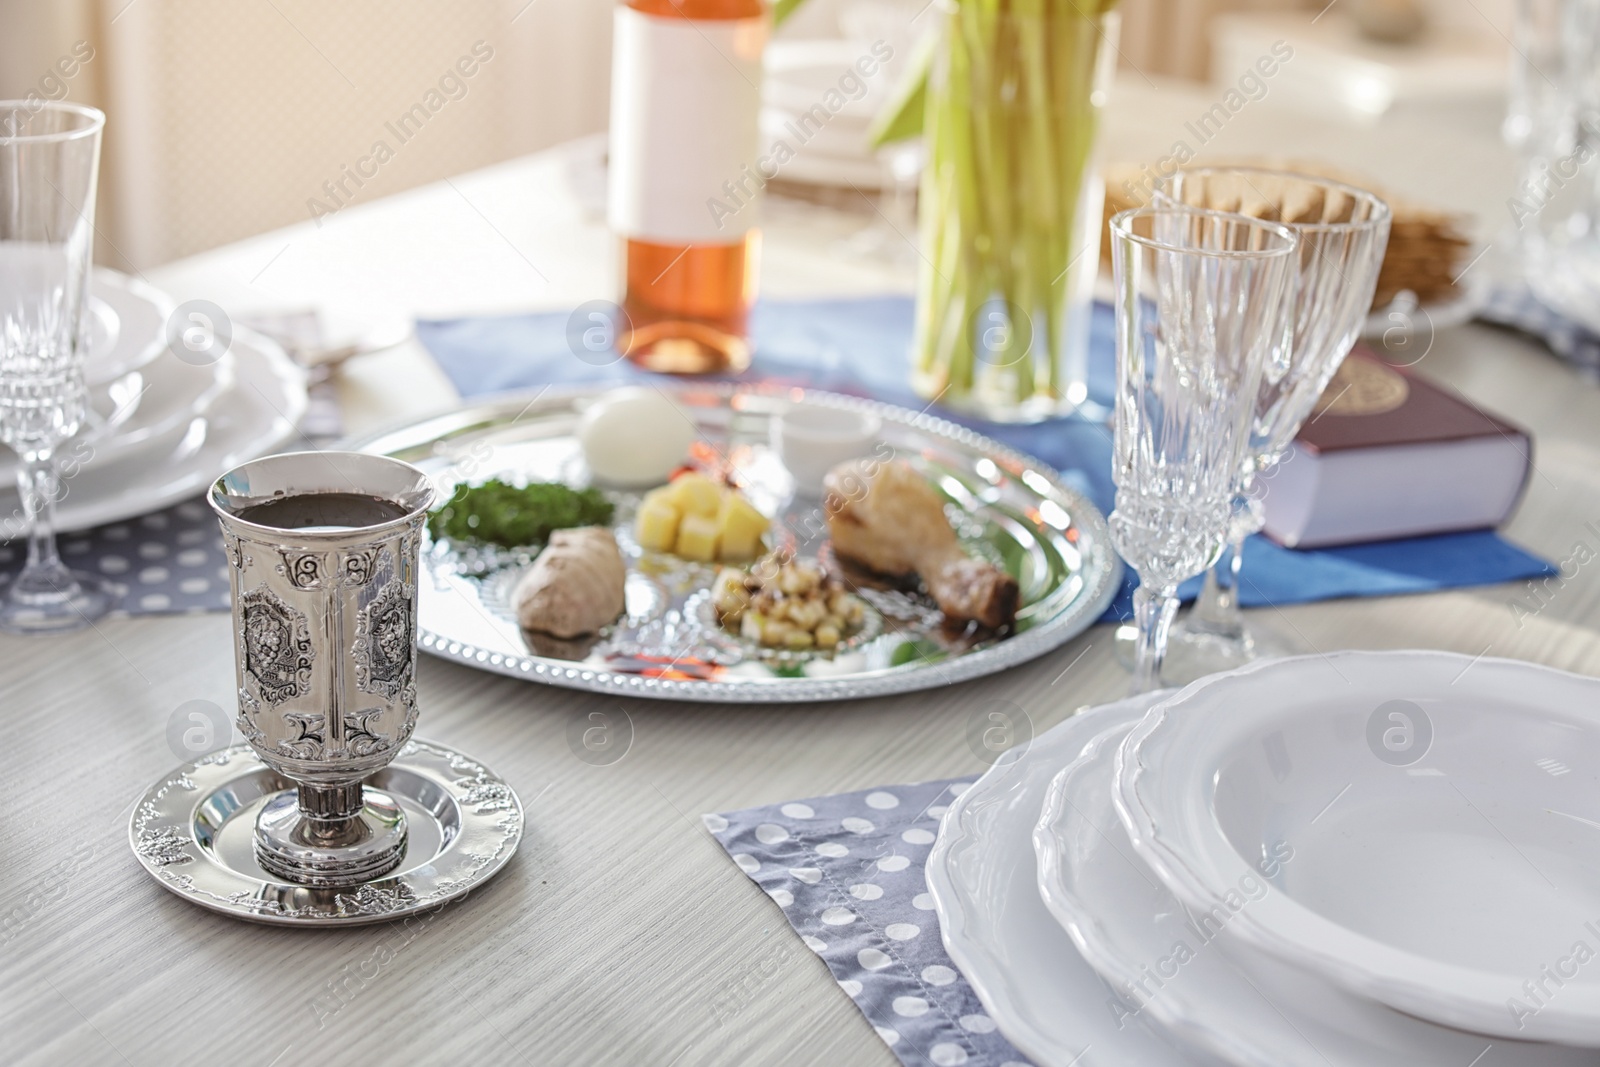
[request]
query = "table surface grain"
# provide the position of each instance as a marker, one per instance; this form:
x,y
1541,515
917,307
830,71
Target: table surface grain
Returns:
x,y
620,934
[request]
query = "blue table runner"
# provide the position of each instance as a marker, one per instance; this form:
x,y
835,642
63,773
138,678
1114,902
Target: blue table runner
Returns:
x,y
860,347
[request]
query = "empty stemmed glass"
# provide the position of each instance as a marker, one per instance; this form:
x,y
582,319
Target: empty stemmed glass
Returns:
x,y
1204,301
49,159
1343,232
1553,123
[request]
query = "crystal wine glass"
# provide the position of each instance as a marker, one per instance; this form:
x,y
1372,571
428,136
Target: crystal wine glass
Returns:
x,y
1343,232
1204,301
49,159
1553,123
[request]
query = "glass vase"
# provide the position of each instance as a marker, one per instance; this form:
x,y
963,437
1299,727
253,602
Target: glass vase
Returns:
x,y
1010,207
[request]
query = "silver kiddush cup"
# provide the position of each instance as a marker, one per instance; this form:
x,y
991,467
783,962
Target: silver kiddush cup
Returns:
x,y
323,547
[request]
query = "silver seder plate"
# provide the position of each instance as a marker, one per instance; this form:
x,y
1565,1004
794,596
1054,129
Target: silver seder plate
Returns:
x,y
1005,506
193,832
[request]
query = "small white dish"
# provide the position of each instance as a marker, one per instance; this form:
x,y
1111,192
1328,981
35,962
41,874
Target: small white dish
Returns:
x,y
982,877
1443,814
1192,976
812,440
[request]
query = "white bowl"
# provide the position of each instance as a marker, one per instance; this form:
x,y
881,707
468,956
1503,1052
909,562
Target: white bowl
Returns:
x,y
1194,978
812,440
1442,813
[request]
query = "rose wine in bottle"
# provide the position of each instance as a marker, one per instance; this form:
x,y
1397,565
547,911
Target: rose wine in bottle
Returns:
x,y
684,192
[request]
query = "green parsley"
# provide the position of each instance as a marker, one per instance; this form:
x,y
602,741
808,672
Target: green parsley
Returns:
x,y
513,517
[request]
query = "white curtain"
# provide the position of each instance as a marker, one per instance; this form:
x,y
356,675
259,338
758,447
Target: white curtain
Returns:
x,y
228,119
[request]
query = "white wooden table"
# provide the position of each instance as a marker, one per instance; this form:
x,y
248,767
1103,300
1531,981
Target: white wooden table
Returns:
x,y
620,933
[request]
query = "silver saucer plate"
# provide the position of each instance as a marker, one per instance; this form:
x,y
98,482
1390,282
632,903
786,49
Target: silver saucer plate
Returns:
x,y
193,832
1005,506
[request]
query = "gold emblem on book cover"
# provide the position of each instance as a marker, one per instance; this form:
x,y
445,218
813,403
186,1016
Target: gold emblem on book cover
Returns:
x,y
1363,387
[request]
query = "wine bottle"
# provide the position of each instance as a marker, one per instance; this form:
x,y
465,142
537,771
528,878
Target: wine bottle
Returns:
x,y
685,110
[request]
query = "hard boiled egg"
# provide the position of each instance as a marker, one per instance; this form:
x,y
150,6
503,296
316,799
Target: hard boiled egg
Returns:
x,y
635,437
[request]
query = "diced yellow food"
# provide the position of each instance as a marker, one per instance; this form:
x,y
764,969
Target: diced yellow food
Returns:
x,y
797,581
729,527
730,595
788,605
656,526
695,494
807,614
741,527
697,538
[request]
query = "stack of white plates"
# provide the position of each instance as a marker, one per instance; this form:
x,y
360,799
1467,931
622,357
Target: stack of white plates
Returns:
x,y
163,428
1363,858
804,107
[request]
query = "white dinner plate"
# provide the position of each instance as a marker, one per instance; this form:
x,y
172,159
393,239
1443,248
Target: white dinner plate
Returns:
x,y
1192,976
174,392
798,77
254,418
1442,811
126,318
163,398
815,168
105,326
128,326
846,143
982,876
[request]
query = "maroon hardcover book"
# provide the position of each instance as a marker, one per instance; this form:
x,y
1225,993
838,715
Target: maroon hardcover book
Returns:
x,y
1387,453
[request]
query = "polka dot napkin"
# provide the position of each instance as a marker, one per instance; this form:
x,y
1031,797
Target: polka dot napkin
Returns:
x,y
165,563
847,871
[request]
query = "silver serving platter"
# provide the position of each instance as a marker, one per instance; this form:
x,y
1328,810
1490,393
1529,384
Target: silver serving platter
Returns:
x,y
1005,506
193,833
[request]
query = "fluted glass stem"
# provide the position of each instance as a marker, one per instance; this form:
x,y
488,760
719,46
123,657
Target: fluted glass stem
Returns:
x,y
1216,611
45,582
37,485
46,597
1153,610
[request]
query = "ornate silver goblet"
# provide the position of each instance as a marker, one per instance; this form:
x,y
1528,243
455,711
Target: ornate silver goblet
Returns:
x,y
323,547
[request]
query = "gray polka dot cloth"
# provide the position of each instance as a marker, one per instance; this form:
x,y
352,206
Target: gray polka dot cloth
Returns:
x,y
165,563
847,871
171,562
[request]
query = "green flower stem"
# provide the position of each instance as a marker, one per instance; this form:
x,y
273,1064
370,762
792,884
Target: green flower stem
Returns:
x,y
1010,124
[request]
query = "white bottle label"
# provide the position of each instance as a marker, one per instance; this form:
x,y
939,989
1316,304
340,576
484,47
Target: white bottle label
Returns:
x,y
685,116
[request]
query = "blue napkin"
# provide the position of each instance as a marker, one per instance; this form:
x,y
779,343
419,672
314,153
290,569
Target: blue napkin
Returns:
x,y
859,346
